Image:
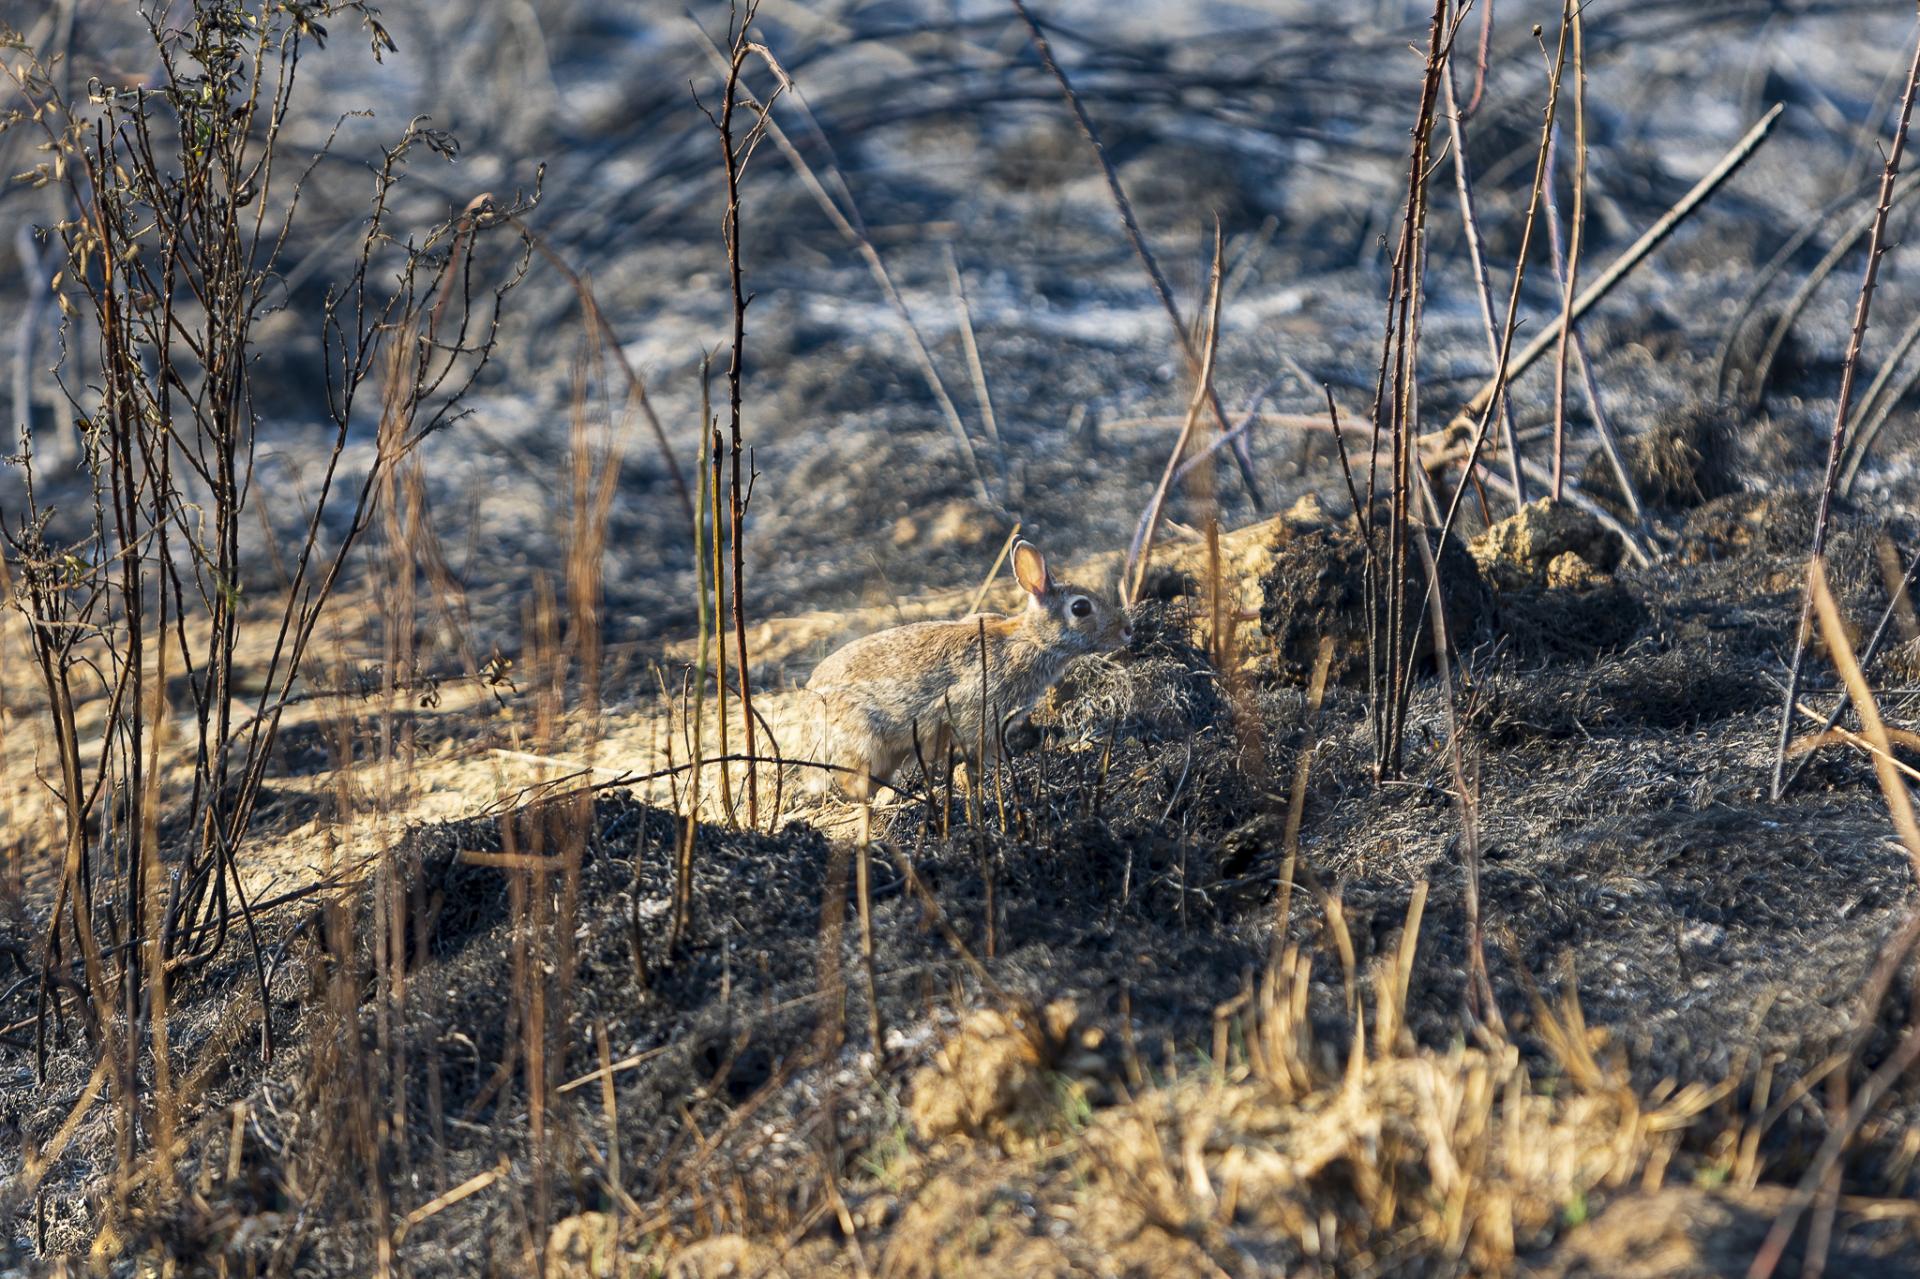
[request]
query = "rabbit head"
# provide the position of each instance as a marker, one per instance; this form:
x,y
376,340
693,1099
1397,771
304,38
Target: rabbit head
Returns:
x,y
1064,617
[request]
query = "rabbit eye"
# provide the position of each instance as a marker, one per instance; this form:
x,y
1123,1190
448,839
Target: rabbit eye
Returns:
x,y
1081,606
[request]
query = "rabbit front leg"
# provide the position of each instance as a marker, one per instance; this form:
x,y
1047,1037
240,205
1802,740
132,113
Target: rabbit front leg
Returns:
x,y
1000,729
984,751
871,771
979,752
883,756
936,750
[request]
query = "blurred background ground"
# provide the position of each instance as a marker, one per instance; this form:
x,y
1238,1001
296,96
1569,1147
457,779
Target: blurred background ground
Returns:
x,y
1287,122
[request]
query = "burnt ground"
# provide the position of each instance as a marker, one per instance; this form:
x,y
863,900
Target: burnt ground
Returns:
x,y
1620,732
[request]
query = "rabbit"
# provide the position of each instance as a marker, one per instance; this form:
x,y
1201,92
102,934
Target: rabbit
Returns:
x,y
878,694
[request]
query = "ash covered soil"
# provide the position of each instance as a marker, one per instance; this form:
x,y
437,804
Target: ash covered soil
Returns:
x,y
1620,724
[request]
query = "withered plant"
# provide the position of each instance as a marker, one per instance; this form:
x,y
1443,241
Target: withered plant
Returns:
x,y
737,145
179,210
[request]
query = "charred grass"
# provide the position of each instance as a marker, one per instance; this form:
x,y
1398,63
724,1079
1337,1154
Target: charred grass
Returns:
x,y
1097,1051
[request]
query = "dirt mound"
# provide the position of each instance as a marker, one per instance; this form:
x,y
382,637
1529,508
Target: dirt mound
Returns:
x,y
1780,523
1554,599
1551,565
1001,1076
1316,587
1752,549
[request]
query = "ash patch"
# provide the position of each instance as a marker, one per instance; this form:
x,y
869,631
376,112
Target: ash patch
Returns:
x,y
1646,691
1570,624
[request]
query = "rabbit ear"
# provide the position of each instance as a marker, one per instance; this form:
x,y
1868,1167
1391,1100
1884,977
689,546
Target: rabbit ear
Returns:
x,y
1030,568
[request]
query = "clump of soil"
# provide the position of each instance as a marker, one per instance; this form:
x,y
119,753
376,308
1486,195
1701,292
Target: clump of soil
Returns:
x,y
1544,543
1774,523
1551,566
1768,536
1316,587
1739,523
1686,458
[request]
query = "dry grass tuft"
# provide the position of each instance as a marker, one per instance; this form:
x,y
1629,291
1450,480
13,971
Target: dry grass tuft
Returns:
x,y
1002,1076
1342,1154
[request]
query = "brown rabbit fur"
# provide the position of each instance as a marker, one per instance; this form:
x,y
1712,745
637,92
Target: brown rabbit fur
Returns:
x,y
878,694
